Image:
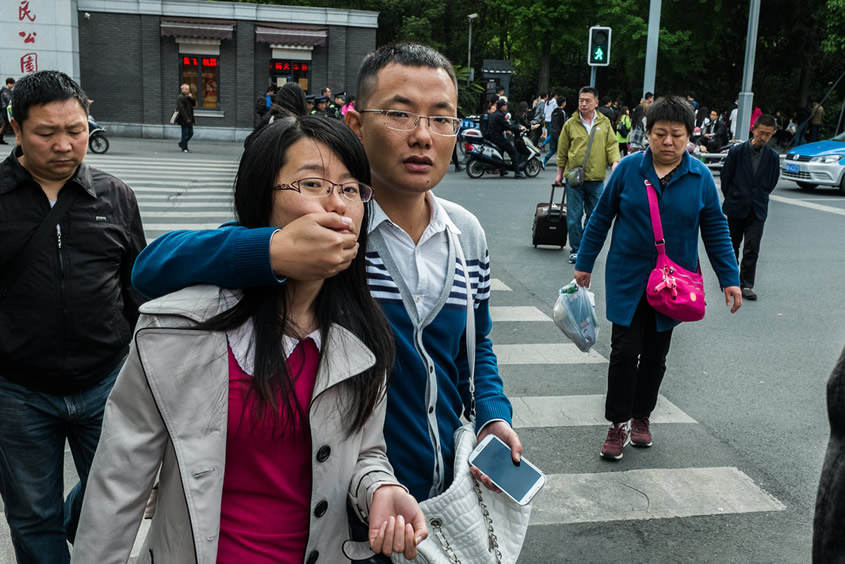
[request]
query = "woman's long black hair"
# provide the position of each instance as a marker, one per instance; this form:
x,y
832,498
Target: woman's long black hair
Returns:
x,y
343,300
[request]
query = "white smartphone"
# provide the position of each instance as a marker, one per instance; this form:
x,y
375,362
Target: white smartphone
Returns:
x,y
520,482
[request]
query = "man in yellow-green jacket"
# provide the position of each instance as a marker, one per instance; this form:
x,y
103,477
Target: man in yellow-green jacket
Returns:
x,y
572,153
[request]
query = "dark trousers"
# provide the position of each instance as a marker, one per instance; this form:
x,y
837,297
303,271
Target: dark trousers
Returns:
x,y
510,150
750,229
637,365
187,133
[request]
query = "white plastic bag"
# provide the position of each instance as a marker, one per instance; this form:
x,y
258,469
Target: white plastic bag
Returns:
x,y
574,314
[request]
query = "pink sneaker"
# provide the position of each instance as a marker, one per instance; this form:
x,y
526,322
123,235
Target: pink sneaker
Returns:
x,y
640,434
618,437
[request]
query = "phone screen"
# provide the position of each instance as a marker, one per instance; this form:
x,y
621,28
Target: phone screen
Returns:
x,y
495,461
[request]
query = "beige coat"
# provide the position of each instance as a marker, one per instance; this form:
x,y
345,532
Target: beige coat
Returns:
x,y
167,414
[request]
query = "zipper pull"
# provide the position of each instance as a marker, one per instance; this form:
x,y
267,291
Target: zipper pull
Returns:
x,y
59,235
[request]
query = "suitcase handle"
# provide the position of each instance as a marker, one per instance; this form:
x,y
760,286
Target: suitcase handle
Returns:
x,y
552,197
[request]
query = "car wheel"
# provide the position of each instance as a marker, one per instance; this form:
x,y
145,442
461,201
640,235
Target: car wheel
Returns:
x,y
462,151
807,186
475,169
532,169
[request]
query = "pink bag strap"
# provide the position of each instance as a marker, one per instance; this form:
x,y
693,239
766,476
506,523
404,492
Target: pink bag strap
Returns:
x,y
656,224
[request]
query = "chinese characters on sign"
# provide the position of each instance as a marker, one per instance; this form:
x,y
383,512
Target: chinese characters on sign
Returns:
x,y
287,66
29,61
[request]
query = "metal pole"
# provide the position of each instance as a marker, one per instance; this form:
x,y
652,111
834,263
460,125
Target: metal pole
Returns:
x,y
651,46
746,96
592,77
469,53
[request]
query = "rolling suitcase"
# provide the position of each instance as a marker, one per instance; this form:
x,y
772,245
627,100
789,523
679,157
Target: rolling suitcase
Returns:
x,y
550,222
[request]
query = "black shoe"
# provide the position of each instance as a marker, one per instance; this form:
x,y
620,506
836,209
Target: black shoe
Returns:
x,y
519,175
3,141
749,294
458,168
503,173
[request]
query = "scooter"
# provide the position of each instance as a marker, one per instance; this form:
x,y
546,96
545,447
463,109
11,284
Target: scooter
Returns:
x,y
483,157
97,140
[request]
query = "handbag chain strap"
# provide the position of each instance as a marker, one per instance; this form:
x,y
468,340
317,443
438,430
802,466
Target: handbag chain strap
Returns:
x,y
492,541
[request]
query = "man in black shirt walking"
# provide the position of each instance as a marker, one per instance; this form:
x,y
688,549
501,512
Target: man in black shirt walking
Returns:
x,y
497,124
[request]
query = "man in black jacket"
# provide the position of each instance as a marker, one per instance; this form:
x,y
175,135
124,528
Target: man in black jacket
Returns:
x,y
185,106
66,318
750,174
497,124
714,135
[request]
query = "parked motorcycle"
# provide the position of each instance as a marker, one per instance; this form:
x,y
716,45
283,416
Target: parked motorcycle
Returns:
x,y
97,140
483,157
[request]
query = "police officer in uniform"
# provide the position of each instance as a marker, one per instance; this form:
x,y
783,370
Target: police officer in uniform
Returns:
x,y
321,104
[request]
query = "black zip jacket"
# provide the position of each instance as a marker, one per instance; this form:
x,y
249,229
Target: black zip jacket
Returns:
x,y
67,321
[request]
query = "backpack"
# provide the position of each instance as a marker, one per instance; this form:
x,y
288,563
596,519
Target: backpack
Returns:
x,y
637,138
622,128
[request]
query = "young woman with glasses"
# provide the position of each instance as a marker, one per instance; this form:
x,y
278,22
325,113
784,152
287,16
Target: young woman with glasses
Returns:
x,y
261,410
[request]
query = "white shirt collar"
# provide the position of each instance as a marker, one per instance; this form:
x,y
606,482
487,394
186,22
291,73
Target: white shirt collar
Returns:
x,y
439,221
584,122
242,339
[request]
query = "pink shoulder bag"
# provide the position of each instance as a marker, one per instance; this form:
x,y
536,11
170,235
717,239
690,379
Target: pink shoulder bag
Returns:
x,y
672,290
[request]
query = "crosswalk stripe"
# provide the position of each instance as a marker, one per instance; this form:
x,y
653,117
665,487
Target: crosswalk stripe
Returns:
x,y
183,204
150,227
499,286
197,190
152,198
117,160
659,493
188,214
580,411
517,313
551,353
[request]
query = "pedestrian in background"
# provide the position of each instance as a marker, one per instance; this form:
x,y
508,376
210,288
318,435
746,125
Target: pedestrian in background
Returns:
x,y
572,152
288,100
5,100
301,366
689,203
623,126
749,175
548,109
349,105
538,118
185,106
556,125
263,105
69,310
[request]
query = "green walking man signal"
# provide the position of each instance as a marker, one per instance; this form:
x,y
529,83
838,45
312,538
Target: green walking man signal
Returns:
x,y
598,52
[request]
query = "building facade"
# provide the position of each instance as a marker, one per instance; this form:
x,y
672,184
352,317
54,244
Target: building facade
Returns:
x,y
133,56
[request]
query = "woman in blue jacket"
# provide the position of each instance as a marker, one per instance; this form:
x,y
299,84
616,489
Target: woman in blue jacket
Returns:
x,y
689,203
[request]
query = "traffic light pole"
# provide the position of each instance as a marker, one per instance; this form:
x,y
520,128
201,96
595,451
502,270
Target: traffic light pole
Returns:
x,y
592,77
746,96
651,46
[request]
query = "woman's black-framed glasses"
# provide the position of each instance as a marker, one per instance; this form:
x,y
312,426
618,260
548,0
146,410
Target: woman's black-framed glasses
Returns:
x,y
400,120
315,187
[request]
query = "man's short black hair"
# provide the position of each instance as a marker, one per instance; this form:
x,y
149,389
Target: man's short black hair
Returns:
x,y
648,95
10,80
670,108
500,88
271,89
44,87
589,90
765,120
605,100
402,53
500,103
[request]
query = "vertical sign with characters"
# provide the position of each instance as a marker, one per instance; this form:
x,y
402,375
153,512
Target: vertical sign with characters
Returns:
x,y
40,35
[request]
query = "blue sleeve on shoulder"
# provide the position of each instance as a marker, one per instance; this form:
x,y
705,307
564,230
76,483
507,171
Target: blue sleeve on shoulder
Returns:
x,y
231,256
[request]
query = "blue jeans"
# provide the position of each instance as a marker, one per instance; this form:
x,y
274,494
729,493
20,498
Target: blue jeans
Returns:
x,y
552,154
187,133
546,141
32,448
580,202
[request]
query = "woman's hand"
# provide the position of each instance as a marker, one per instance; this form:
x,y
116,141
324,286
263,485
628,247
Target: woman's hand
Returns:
x,y
582,278
736,293
397,524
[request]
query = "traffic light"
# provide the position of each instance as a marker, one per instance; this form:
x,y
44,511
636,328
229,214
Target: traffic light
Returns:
x,y
598,53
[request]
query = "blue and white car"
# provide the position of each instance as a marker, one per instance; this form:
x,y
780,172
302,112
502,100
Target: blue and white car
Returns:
x,y
821,163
